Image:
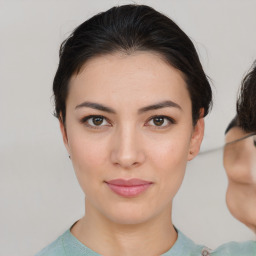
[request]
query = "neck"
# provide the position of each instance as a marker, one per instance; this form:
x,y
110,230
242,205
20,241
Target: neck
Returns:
x,y
152,237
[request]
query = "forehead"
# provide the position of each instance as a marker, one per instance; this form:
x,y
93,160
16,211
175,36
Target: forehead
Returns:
x,y
141,75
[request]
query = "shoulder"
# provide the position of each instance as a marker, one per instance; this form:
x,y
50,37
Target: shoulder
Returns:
x,y
66,245
185,246
56,248
247,248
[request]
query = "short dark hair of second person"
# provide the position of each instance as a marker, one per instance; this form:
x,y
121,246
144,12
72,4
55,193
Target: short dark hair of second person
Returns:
x,y
246,103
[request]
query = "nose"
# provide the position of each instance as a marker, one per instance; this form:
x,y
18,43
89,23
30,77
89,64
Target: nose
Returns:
x,y
127,148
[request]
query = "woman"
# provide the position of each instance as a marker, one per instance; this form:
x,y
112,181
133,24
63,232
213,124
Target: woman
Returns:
x,y
130,96
240,155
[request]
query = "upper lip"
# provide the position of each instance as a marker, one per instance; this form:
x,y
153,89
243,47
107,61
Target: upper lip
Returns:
x,y
128,183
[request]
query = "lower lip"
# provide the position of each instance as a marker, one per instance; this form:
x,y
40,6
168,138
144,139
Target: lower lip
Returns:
x,y
129,191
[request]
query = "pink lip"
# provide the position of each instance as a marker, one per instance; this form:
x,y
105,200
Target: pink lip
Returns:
x,y
128,188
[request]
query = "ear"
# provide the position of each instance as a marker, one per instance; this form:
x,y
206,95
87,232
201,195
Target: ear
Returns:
x,y
197,137
64,134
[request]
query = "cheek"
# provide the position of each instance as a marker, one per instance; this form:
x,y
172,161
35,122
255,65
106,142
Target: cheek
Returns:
x,y
240,168
89,159
231,164
170,151
169,159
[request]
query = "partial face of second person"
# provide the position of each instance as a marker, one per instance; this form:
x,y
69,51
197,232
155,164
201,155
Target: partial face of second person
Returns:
x,y
240,165
130,117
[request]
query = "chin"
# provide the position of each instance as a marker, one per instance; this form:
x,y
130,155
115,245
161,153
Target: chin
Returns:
x,y
129,216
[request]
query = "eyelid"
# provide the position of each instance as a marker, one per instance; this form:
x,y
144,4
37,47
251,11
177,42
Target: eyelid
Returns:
x,y
85,119
169,119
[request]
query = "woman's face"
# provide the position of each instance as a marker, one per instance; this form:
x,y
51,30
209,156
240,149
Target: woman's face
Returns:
x,y
129,133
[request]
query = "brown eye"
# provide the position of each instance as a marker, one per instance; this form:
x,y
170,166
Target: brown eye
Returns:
x,y
97,120
158,121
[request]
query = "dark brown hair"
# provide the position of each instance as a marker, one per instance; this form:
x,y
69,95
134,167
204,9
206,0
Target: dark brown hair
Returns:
x,y
246,103
127,29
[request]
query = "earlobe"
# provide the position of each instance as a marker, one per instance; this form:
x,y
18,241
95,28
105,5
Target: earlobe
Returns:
x,y
197,137
64,134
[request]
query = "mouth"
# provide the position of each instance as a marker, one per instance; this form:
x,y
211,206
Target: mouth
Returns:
x,y
128,188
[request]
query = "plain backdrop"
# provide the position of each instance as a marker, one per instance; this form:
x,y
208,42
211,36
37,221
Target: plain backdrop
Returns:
x,y
39,194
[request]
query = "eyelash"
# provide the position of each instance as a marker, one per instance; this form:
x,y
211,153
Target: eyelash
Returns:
x,y
85,120
169,120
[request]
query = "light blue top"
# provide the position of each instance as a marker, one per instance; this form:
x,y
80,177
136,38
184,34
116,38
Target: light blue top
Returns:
x,y
68,245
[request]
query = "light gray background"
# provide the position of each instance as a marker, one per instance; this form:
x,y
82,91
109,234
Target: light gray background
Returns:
x,y
39,195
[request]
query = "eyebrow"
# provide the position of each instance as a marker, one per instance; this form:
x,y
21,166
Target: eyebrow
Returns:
x,y
163,104
97,106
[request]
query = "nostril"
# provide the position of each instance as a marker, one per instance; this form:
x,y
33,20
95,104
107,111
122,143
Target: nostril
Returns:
x,y
135,164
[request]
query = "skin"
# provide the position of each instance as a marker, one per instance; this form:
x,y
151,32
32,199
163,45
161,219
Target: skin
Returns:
x,y
240,166
128,144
